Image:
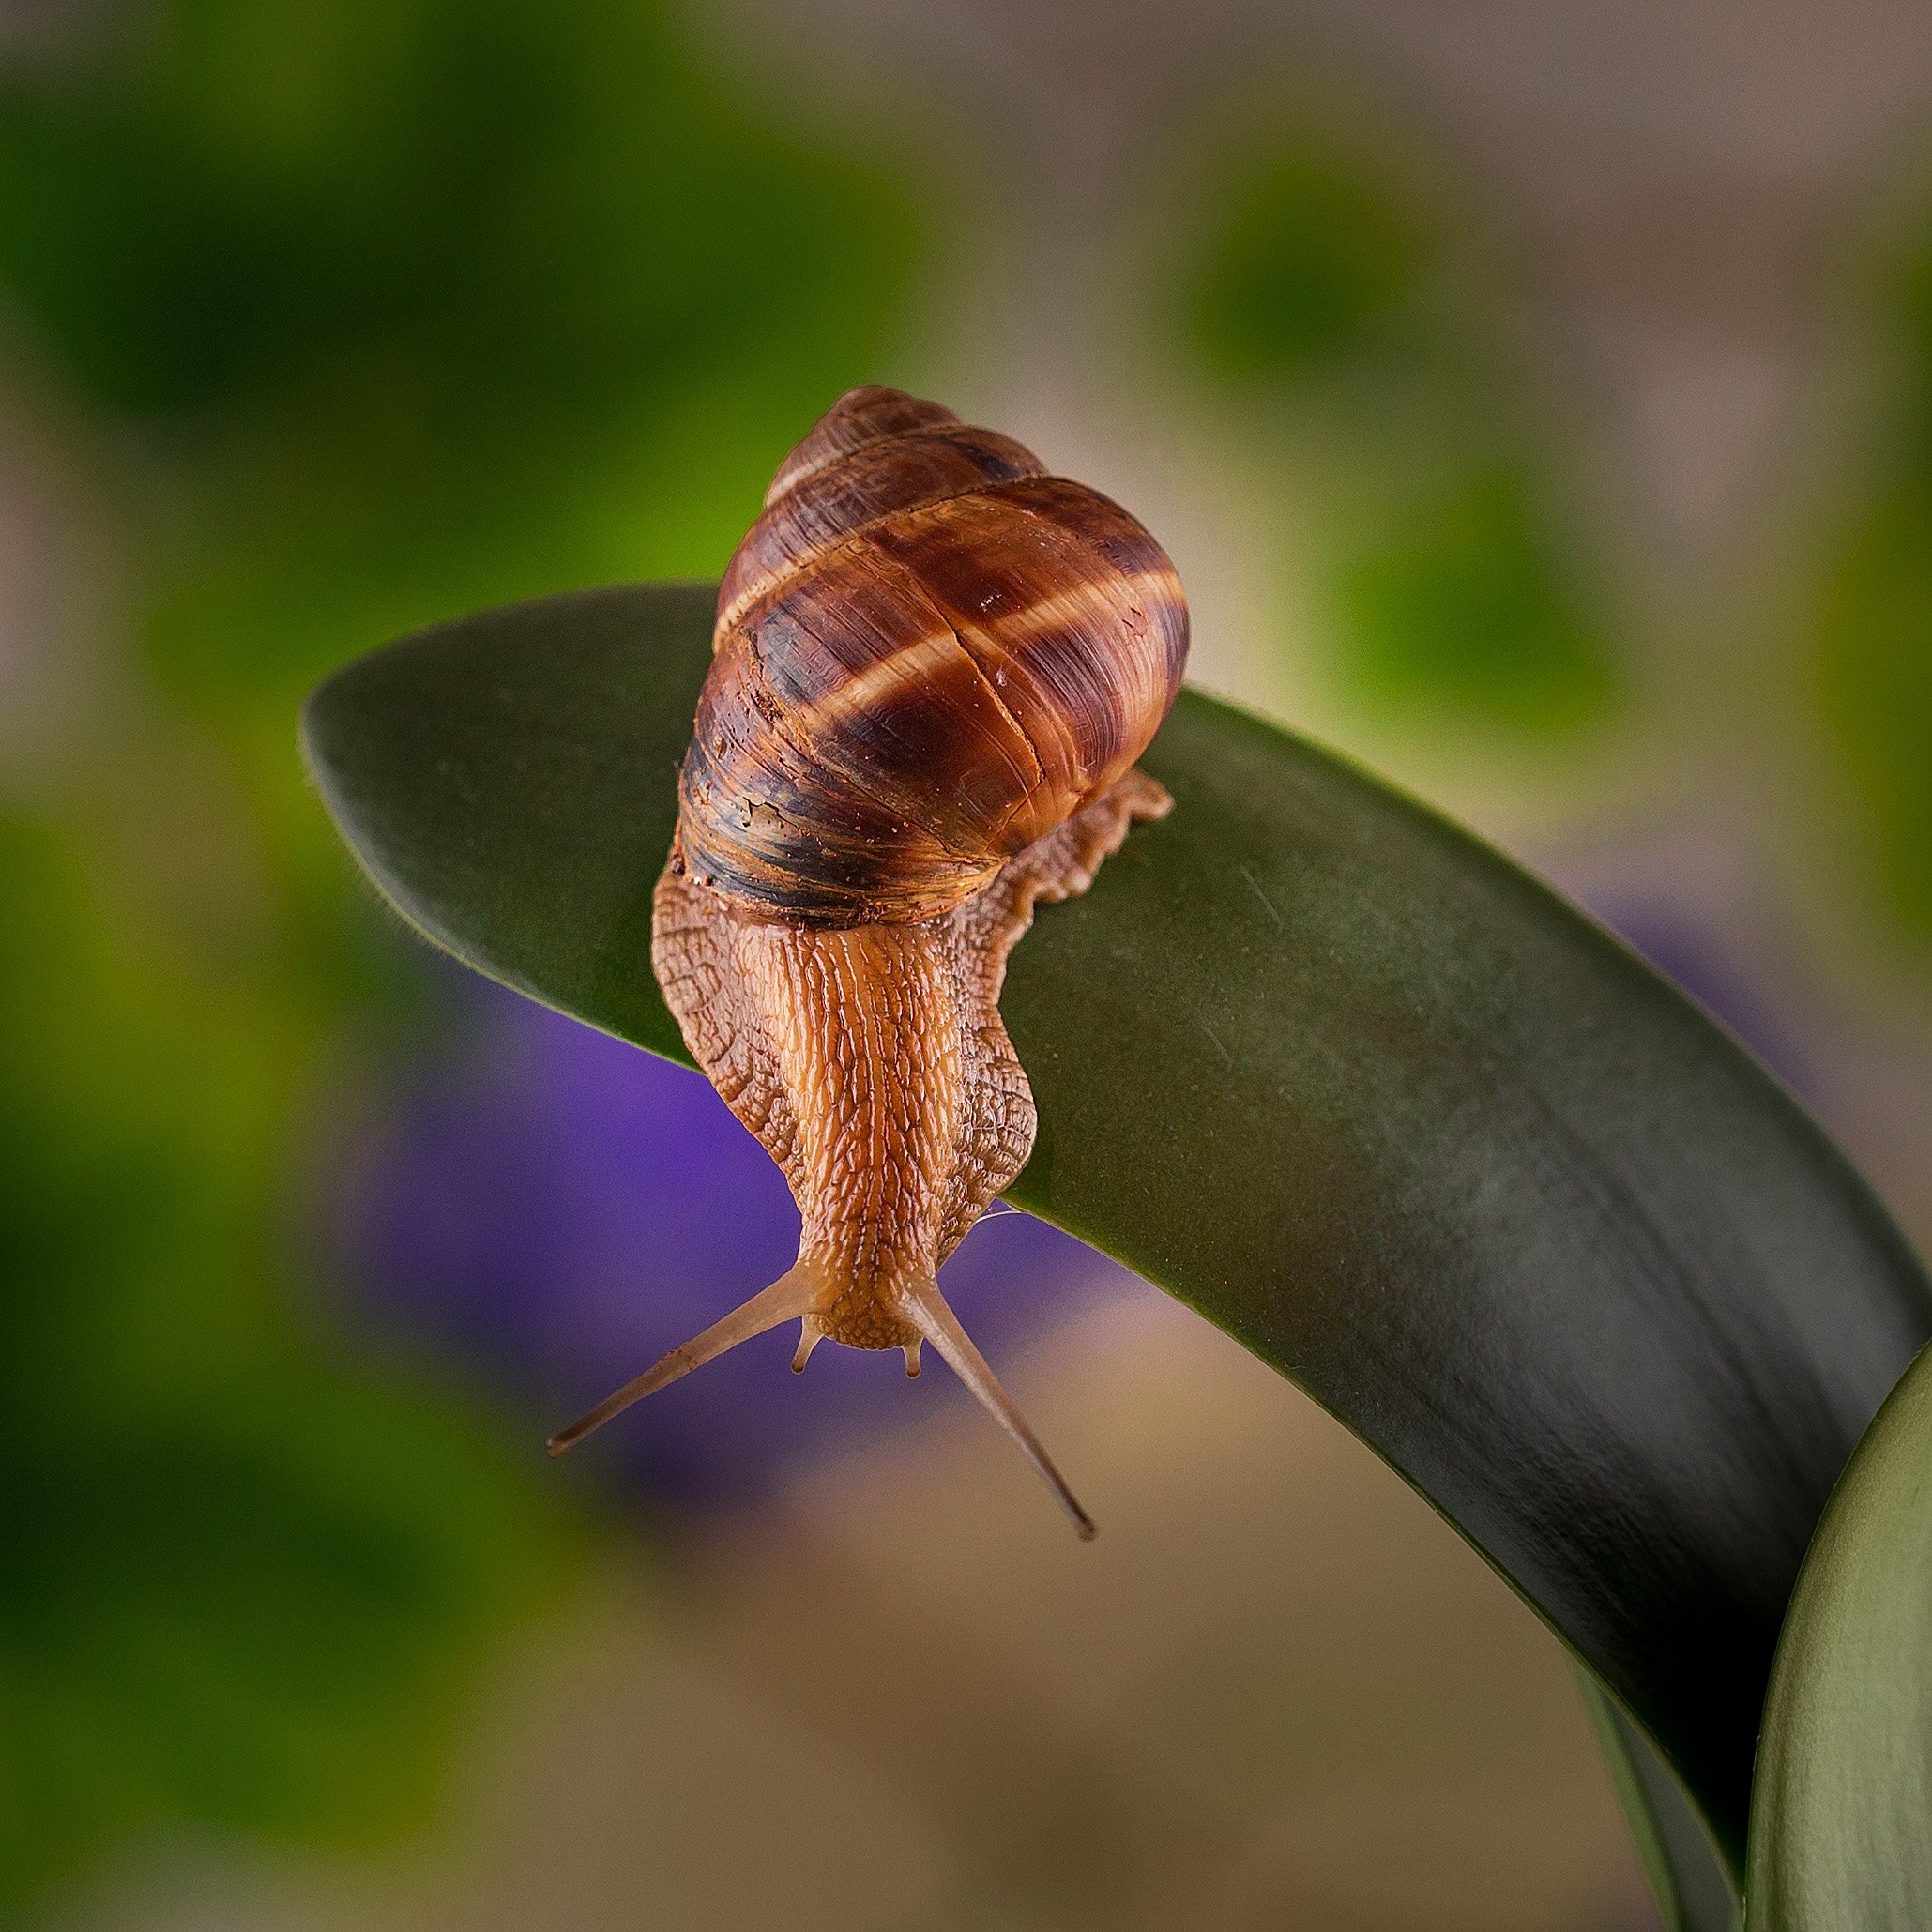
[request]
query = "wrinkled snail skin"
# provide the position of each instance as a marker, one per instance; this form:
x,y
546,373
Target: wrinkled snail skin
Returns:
x,y
934,668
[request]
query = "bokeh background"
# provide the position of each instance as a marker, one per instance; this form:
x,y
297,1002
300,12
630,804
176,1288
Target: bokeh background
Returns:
x,y
1538,402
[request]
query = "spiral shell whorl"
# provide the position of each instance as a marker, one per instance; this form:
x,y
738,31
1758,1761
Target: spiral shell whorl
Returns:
x,y
929,653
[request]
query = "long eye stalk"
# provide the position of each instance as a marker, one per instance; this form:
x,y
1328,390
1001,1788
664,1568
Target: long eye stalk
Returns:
x,y
942,1327
789,1299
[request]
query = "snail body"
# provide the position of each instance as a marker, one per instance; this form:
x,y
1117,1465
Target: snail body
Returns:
x,y
933,670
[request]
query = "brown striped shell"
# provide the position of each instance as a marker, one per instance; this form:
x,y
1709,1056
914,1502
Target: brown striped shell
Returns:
x,y
929,653
934,668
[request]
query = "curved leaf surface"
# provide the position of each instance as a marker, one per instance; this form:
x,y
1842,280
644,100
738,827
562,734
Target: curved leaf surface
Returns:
x,y
1693,1890
1841,1826
1318,1062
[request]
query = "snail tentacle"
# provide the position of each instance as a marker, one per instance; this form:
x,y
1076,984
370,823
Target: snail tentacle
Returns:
x,y
789,1299
942,1327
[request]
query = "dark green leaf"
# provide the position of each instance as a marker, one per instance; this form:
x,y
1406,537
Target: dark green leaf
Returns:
x,y
1326,1068
1841,1822
1686,1876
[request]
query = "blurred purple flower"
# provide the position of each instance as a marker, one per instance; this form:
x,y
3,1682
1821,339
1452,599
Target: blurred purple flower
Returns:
x,y
562,1208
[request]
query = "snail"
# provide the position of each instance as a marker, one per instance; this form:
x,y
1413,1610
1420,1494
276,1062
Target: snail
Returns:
x,y
934,668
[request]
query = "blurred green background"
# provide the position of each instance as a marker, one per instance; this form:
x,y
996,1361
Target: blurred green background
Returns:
x,y
1542,410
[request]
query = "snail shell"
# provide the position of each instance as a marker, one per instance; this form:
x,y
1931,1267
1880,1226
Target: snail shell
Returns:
x,y
934,668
